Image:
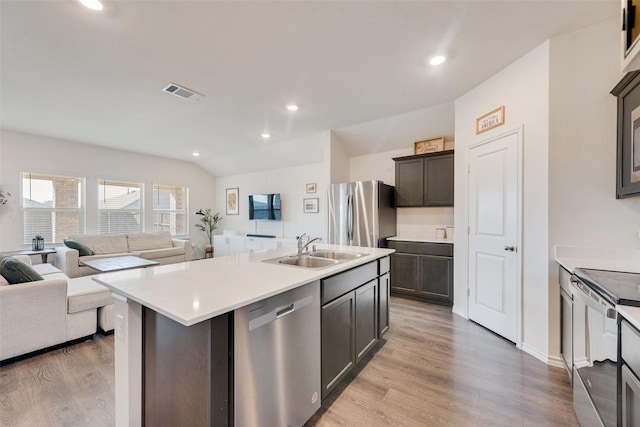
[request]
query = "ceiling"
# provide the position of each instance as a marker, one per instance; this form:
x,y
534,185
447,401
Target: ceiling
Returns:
x,y
96,77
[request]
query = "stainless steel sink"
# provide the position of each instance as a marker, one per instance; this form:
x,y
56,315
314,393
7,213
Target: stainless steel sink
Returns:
x,y
308,261
338,255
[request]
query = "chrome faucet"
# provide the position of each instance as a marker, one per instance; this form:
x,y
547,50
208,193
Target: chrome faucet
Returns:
x,y
304,241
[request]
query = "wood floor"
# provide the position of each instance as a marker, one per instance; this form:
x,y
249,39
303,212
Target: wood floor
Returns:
x,y
434,369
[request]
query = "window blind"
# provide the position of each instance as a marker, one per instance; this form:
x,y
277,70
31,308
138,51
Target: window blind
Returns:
x,y
52,206
170,204
120,207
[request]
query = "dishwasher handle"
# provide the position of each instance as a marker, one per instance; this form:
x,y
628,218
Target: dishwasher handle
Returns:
x,y
279,312
288,309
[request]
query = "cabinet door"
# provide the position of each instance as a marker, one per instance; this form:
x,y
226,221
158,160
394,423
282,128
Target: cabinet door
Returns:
x,y
566,332
220,246
438,181
404,273
630,398
409,182
435,277
236,245
338,340
366,318
383,304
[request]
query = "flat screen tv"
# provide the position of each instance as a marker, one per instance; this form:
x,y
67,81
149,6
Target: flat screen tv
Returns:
x,y
265,207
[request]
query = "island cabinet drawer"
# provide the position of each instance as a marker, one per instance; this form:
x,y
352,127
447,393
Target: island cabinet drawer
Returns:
x,y
338,285
421,248
384,265
630,346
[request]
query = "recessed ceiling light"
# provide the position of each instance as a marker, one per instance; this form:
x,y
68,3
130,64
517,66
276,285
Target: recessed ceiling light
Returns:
x,y
266,135
292,107
437,60
195,154
92,4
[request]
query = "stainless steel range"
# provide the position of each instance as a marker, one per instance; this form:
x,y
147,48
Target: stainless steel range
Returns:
x,y
596,337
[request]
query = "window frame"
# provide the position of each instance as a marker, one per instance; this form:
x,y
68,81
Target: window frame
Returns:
x,y
81,210
184,211
100,211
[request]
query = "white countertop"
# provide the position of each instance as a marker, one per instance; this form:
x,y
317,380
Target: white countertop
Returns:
x,y
191,292
632,314
420,239
572,257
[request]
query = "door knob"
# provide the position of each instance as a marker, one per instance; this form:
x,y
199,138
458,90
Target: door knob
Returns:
x,y
510,248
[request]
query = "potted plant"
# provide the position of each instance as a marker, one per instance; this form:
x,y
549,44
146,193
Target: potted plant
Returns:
x,y
208,223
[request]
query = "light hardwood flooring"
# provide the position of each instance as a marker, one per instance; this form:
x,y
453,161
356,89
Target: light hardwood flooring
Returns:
x,y
433,369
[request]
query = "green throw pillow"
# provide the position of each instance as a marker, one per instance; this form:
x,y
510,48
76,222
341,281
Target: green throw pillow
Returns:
x,y
82,249
16,271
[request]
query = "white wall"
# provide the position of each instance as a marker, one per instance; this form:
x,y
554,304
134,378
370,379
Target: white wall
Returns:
x,y
523,88
336,161
21,152
583,209
291,183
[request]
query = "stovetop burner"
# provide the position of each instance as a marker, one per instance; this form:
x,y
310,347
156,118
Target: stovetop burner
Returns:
x,y
618,287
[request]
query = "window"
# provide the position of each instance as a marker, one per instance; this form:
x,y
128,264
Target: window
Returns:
x,y
170,209
120,207
52,207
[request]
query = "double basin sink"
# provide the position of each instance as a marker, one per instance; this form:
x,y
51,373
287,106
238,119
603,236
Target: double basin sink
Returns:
x,y
316,259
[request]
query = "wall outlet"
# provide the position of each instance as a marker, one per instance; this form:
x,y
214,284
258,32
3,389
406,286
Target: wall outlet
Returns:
x,y
120,327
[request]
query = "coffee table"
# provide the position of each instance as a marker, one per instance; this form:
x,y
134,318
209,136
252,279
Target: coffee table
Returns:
x,y
118,263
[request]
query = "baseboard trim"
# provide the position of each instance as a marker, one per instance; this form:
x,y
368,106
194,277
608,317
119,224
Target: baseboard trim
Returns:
x,y
535,353
555,361
454,310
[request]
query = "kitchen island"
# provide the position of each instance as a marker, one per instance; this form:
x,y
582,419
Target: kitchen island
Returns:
x,y
174,331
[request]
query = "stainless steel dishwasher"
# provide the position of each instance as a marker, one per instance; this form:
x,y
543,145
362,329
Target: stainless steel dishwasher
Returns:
x,y
277,359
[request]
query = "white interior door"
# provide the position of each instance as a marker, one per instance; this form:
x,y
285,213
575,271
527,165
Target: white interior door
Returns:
x,y
493,235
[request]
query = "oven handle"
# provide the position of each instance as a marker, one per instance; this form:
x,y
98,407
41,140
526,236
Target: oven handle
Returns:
x,y
592,299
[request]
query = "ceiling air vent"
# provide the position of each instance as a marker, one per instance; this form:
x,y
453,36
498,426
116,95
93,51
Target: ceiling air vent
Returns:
x,y
182,92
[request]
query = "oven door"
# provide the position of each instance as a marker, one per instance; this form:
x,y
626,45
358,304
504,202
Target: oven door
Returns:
x,y
595,357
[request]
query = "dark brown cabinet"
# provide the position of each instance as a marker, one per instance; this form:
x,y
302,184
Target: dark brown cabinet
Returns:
x,y
384,289
425,180
351,307
423,271
338,340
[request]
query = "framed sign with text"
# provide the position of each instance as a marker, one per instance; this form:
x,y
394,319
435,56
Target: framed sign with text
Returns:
x,y
490,120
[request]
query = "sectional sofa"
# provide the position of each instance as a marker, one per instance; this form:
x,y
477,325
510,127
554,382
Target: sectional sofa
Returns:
x,y
44,313
159,247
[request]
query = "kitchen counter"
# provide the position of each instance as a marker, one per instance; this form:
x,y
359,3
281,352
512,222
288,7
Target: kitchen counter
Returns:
x,y
572,257
191,292
162,310
632,314
420,239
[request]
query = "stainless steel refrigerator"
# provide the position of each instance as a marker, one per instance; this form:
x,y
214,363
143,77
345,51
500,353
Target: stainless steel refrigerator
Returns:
x,y
361,213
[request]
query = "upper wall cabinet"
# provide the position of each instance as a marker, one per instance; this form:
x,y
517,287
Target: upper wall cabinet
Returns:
x,y
424,180
630,38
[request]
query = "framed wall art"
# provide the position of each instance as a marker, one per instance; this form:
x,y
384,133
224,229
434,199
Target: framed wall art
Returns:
x,y
310,206
232,201
490,120
311,188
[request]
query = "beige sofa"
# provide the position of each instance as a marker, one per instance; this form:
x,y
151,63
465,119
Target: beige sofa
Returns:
x,y
159,247
41,314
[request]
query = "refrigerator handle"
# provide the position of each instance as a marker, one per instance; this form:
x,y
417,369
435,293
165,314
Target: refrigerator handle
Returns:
x,y
349,219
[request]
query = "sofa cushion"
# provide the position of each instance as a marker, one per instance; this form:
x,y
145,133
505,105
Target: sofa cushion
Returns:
x,y
143,241
83,250
16,271
103,243
161,253
3,281
83,293
45,269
